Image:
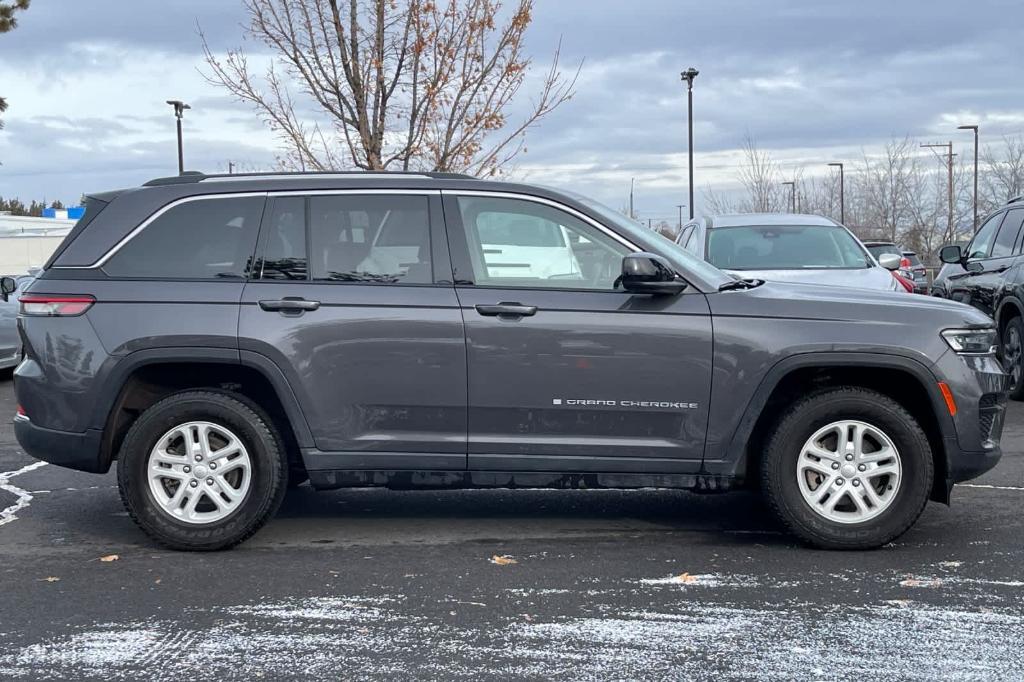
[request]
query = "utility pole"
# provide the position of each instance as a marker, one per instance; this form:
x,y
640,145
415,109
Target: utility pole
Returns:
x,y
792,195
842,194
975,129
948,146
688,76
680,207
179,112
231,168
632,214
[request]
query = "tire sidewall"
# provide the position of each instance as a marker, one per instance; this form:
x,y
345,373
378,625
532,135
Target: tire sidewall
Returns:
x,y
1017,393
267,476
881,413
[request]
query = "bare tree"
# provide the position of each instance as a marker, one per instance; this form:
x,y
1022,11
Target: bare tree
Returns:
x,y
760,178
717,203
1001,174
8,22
408,84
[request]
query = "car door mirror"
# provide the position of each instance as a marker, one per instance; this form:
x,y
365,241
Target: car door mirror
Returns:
x,y
8,285
890,261
648,273
951,254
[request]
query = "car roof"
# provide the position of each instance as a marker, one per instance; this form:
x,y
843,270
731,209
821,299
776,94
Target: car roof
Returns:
x,y
878,242
751,219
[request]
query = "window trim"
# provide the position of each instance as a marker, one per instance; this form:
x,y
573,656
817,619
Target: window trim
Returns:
x,y
1001,214
112,251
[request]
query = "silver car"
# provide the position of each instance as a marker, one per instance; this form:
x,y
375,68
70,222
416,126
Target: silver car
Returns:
x,y
10,342
785,247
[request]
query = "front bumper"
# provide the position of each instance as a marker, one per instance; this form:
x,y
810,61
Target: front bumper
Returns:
x,y
79,451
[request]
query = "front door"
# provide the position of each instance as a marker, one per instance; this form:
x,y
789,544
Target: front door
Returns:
x,y
346,303
567,372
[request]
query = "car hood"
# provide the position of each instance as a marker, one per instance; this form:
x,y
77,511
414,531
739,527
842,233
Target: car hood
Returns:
x,y
861,278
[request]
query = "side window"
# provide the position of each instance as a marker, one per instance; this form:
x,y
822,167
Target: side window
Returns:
x,y
684,235
1013,223
367,238
1007,237
979,247
199,239
284,240
521,243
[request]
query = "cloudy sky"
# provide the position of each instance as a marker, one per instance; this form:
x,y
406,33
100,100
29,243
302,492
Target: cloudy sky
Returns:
x,y
812,80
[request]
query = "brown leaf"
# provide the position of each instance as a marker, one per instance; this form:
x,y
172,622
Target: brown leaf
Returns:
x,y
686,578
109,558
503,560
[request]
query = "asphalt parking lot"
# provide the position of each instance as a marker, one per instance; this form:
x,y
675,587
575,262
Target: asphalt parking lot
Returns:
x,y
577,585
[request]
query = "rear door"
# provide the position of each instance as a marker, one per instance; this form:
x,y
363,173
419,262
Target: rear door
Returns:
x,y
566,372
352,299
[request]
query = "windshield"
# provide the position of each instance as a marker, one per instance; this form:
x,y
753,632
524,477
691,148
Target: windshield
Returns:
x,y
666,246
785,247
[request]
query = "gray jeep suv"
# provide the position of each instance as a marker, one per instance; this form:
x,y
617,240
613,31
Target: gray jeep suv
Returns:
x,y
225,337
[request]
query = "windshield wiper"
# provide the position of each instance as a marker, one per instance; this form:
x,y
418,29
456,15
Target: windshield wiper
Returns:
x,y
741,284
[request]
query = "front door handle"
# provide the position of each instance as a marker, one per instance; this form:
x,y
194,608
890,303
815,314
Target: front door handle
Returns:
x,y
509,309
290,305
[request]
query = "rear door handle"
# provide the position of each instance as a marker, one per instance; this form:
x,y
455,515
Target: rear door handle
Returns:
x,y
290,305
510,309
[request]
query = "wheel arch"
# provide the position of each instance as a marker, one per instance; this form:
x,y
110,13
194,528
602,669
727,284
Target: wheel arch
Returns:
x,y
907,381
145,377
1011,306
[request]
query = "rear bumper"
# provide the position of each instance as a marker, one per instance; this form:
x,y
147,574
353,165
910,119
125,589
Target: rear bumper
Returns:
x,y
79,451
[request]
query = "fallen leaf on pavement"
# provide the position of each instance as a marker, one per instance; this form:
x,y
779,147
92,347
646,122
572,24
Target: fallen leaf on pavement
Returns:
x,y
109,558
686,578
920,582
503,560
50,579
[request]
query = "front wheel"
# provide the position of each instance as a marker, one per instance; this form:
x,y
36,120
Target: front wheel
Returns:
x,y
1011,347
202,470
847,468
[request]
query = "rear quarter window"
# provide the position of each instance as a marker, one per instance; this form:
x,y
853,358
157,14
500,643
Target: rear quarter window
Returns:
x,y
197,239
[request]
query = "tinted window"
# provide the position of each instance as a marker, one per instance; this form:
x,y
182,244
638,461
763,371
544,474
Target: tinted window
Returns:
x,y
284,242
199,239
979,246
522,243
777,247
383,239
915,262
1008,233
880,249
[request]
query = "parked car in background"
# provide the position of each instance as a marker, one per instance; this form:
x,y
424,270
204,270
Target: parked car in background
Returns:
x,y
10,342
988,275
790,248
911,268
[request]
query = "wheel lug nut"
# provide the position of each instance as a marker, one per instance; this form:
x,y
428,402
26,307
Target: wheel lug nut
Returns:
x,y
840,481
856,482
199,458
186,468
213,465
835,465
849,458
209,481
862,468
193,483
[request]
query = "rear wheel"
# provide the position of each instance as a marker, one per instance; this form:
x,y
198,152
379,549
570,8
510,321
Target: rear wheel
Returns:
x,y
1011,351
201,470
847,468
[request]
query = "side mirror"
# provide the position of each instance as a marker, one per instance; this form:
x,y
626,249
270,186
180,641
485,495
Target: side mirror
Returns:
x,y
8,285
648,273
890,261
951,254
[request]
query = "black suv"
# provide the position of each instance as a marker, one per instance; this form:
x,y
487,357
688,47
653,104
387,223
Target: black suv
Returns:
x,y
224,337
987,274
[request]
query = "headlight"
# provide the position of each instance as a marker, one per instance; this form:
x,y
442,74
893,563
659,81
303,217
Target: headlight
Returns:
x,y
975,341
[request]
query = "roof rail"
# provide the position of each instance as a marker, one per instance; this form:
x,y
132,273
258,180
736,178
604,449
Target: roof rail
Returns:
x,y
196,176
1016,199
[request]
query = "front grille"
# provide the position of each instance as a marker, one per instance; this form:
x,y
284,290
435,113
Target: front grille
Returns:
x,y
990,417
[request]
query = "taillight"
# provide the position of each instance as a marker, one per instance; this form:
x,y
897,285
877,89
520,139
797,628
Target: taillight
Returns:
x,y
21,411
54,305
905,263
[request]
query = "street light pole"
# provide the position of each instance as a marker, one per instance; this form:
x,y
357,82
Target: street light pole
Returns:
x,y
688,76
680,207
792,195
179,112
842,194
975,129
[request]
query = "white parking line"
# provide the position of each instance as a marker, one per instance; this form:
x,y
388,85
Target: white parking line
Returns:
x,y
24,497
989,487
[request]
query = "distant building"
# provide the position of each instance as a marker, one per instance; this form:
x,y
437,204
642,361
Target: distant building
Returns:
x,y
69,213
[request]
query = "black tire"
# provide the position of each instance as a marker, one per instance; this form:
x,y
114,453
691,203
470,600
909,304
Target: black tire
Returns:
x,y
779,468
1011,351
251,425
